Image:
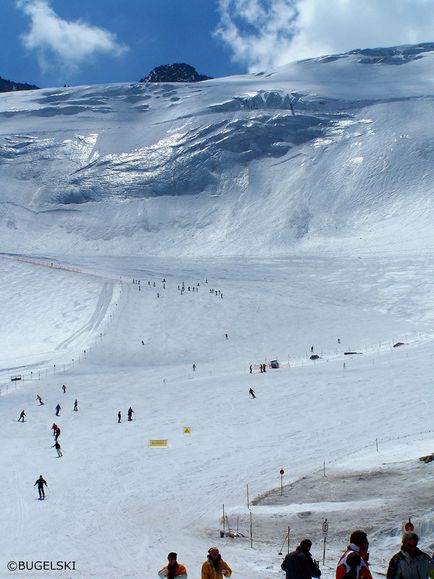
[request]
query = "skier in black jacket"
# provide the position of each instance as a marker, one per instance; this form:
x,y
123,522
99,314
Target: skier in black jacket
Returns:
x,y
299,564
41,482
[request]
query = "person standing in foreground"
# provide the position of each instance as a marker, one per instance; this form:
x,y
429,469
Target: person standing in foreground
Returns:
x,y
41,482
410,562
214,567
357,568
299,564
173,569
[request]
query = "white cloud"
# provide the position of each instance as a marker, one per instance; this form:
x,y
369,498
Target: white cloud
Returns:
x,y
263,34
61,42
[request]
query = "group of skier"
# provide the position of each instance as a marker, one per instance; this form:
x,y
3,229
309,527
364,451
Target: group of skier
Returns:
x,y
213,568
56,434
130,413
409,563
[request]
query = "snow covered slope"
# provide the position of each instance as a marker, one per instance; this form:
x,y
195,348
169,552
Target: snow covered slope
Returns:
x,y
223,167
316,229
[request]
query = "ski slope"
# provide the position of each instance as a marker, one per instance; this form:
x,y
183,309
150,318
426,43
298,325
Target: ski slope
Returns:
x,y
316,227
117,506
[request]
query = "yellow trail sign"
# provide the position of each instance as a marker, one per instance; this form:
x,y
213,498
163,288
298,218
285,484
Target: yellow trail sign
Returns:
x,y
187,430
158,442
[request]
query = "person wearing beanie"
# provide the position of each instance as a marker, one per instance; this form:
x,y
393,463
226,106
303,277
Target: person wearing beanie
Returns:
x,y
173,568
351,567
214,567
410,562
299,564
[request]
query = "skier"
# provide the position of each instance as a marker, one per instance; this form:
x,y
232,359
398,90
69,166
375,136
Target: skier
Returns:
x,y
194,367
291,107
64,388
311,348
39,399
299,564
214,567
57,409
410,562
173,569
41,482
54,428
339,340
22,416
56,433
227,337
251,369
56,445
358,544
130,414
143,343
252,393
119,416
76,405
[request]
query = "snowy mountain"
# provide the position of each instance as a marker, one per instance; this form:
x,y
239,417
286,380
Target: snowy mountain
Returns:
x,y
158,245
223,166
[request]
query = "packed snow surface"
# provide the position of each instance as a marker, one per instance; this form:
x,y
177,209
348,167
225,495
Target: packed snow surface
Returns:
x,y
294,235
116,505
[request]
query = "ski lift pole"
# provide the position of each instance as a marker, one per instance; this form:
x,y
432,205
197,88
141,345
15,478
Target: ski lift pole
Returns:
x,y
281,472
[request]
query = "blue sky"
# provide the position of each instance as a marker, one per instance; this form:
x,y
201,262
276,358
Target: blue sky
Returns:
x,y
52,42
151,32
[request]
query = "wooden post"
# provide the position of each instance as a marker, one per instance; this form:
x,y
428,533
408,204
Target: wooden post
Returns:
x,y
251,530
324,551
325,530
224,522
248,499
376,444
